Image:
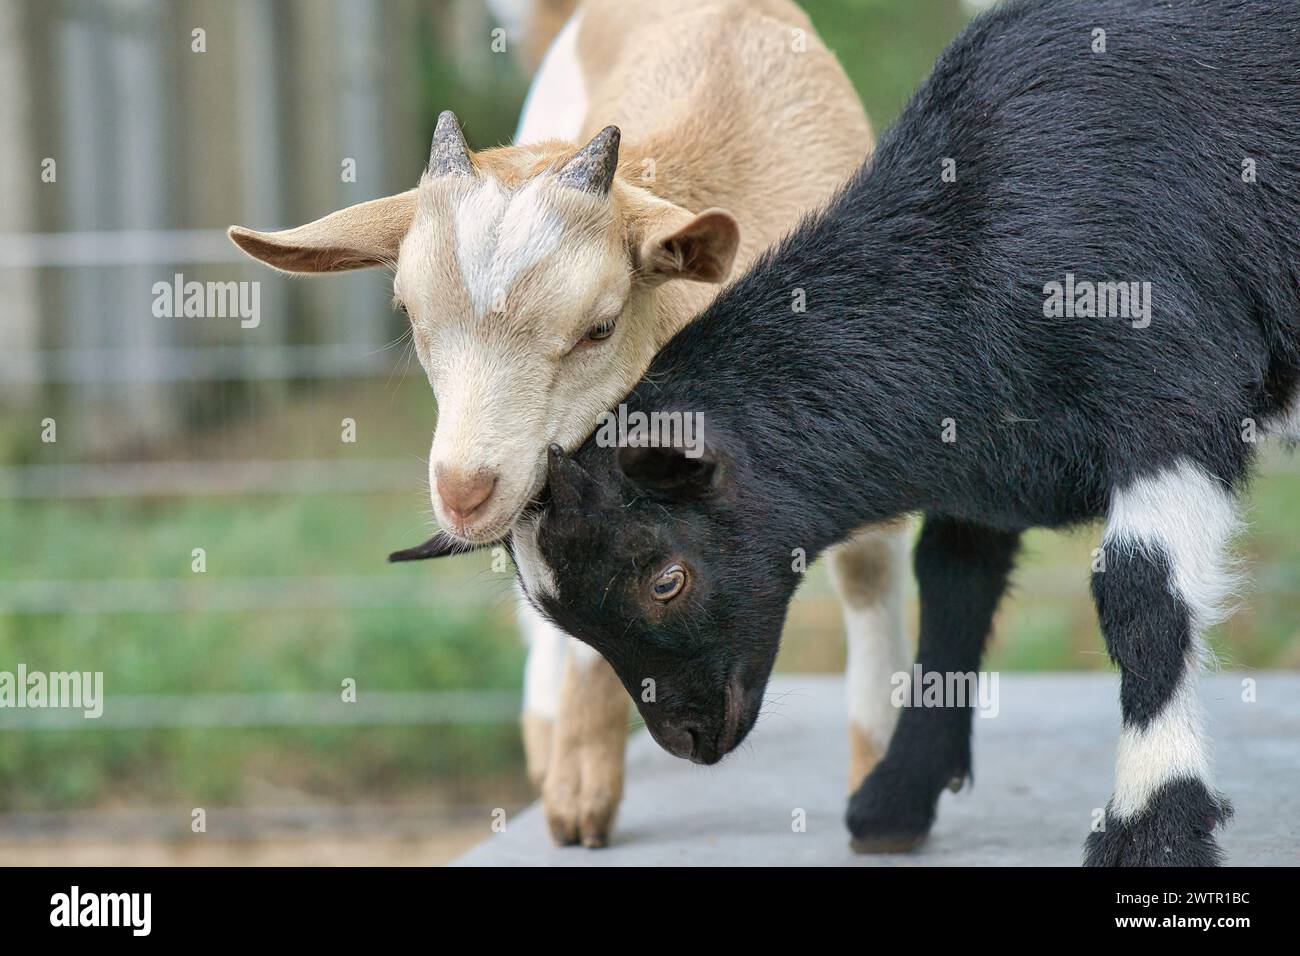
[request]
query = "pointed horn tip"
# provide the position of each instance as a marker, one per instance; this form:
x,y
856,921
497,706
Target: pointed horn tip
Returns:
x,y
449,154
439,545
591,168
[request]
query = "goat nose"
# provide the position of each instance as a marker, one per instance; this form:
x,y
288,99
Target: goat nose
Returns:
x,y
462,492
680,740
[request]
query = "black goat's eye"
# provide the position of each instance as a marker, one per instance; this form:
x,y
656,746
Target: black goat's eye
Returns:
x,y
669,584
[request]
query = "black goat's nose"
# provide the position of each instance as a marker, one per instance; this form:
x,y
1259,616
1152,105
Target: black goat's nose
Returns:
x,y
680,739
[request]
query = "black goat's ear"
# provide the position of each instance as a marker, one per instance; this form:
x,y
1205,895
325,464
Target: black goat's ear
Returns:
x,y
439,546
670,471
571,487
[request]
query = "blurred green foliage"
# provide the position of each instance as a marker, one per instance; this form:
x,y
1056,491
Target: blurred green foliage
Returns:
x,y
887,47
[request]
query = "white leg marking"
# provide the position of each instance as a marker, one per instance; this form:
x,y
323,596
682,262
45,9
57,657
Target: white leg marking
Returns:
x,y
544,669
877,640
1190,518
556,106
1173,746
877,650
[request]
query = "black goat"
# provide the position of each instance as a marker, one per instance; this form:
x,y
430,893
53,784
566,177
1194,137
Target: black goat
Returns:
x,y
1066,288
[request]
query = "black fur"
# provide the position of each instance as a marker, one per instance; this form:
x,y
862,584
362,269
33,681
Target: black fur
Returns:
x,y
1175,829
925,306
1148,630
962,571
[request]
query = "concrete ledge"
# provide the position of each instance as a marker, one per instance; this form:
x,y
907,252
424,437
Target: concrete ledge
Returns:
x,y
1041,766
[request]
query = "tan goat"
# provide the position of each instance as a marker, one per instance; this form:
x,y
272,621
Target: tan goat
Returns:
x,y
541,278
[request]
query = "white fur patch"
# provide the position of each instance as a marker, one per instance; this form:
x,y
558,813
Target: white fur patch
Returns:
x,y
537,576
500,235
877,650
1191,517
1173,746
556,106
544,669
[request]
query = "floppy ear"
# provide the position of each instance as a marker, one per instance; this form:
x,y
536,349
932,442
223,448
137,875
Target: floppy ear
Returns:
x,y
439,546
669,472
360,236
702,249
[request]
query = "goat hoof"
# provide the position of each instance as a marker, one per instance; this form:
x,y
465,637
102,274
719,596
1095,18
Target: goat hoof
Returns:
x,y
887,843
892,811
1175,829
581,795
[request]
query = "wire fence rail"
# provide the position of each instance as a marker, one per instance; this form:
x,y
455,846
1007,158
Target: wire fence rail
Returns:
x,y
210,710
208,593
192,479
116,247
179,364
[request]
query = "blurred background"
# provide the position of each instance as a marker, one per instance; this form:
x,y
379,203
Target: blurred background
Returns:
x,y
177,434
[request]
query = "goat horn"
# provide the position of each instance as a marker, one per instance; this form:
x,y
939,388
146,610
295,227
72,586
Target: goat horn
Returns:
x,y
592,168
439,546
449,155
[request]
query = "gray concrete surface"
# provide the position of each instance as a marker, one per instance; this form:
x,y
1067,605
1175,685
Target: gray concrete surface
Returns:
x,y
1041,766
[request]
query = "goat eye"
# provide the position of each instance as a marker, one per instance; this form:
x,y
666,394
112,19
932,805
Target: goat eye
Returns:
x,y
600,332
669,584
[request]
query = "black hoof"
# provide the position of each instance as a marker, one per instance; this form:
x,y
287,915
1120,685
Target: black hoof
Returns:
x,y
887,842
891,813
1175,829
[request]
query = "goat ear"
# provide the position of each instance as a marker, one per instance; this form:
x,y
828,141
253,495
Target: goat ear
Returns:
x,y
439,546
670,472
358,237
702,249
571,487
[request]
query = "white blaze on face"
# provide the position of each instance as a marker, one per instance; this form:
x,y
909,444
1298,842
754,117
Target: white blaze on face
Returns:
x,y
501,283
499,236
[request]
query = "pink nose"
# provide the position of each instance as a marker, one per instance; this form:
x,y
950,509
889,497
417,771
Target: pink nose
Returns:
x,y
464,493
